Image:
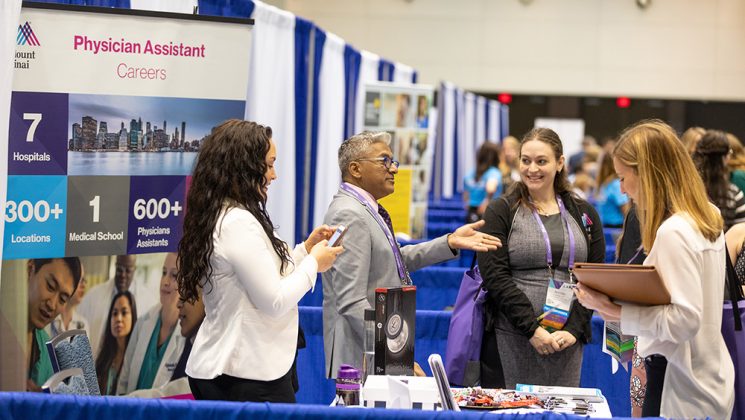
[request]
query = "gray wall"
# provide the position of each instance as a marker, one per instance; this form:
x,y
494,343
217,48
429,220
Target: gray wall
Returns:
x,y
673,49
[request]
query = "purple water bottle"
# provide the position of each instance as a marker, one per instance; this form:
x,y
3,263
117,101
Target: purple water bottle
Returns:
x,y
348,383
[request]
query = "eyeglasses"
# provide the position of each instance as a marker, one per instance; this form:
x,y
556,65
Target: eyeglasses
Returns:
x,y
387,162
121,269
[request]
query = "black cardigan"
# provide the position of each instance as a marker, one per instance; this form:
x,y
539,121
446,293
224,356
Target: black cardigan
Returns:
x,y
504,295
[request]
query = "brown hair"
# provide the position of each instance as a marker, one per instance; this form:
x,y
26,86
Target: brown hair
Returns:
x,y
737,160
691,137
561,181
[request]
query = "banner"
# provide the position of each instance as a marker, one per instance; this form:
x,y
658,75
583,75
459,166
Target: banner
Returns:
x,y
403,111
108,111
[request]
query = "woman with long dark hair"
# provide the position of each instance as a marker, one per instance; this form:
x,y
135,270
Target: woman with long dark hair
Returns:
x,y
535,332
251,281
119,326
710,157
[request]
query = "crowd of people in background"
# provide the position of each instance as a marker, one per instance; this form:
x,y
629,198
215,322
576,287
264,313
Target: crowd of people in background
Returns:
x,y
719,159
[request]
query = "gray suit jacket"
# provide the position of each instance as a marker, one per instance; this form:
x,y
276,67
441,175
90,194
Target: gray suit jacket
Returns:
x,y
366,264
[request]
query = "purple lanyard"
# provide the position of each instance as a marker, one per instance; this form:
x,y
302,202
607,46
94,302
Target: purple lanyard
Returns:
x,y
549,255
388,233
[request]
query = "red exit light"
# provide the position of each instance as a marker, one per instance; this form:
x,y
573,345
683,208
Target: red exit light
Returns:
x,y
623,102
504,98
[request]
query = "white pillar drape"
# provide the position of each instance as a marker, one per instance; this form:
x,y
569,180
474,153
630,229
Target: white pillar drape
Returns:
x,y
173,6
504,120
469,139
331,90
481,108
448,139
494,123
368,73
460,144
10,12
270,100
403,73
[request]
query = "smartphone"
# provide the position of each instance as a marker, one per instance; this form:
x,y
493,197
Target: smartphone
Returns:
x,y
335,239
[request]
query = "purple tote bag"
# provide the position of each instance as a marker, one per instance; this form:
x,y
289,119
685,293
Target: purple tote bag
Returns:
x,y
466,331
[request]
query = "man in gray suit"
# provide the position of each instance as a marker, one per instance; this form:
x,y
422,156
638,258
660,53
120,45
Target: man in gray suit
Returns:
x,y
372,258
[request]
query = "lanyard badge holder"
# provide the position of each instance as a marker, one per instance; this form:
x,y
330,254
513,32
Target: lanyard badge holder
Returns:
x,y
618,345
559,296
403,273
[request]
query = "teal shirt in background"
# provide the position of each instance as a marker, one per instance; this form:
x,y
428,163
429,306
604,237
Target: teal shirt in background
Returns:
x,y
111,380
737,177
153,357
42,370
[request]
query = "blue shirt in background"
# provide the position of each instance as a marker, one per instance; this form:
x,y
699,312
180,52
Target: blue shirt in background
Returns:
x,y
610,199
477,189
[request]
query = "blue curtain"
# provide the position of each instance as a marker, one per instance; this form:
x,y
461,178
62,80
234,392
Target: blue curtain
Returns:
x,y
385,70
352,60
119,4
319,41
226,8
303,31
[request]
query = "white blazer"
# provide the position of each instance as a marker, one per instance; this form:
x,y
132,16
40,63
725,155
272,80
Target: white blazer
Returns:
x,y
700,377
137,348
251,323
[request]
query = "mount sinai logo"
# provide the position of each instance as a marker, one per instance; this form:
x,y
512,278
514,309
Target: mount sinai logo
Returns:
x,y
26,36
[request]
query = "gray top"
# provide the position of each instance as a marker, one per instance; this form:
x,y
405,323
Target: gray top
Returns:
x,y
555,228
528,257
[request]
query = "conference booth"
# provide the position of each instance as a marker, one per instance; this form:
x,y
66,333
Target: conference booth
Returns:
x,y
107,110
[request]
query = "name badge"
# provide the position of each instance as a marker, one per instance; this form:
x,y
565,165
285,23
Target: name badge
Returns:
x,y
620,346
559,297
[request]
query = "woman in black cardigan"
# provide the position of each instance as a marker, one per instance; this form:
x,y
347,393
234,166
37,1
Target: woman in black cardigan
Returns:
x,y
544,230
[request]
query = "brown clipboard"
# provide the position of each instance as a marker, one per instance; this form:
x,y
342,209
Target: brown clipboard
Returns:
x,y
640,284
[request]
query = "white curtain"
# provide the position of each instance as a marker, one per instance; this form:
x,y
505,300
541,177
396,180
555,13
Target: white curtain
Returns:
x,y
10,11
402,73
368,73
481,103
448,139
270,100
494,124
331,90
173,6
460,140
469,139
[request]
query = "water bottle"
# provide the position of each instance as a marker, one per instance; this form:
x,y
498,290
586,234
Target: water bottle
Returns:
x,y
348,384
368,345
